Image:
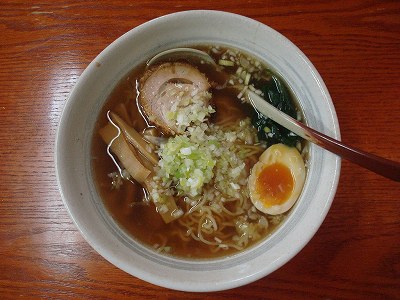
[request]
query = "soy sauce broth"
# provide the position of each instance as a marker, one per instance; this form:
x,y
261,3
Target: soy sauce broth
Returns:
x,y
126,204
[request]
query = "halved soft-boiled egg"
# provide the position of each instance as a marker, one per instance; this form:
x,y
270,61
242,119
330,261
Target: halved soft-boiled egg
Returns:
x,y
276,180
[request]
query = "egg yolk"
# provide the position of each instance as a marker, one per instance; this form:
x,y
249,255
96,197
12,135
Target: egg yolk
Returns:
x,y
274,184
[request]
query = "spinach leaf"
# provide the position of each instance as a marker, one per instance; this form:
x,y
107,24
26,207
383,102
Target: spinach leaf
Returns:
x,y
277,94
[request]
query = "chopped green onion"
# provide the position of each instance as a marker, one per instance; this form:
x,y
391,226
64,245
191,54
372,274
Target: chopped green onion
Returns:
x,y
247,79
226,63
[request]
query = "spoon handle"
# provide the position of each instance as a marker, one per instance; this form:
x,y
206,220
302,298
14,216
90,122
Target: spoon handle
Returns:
x,y
377,164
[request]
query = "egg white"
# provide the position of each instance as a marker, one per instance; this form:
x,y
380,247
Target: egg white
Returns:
x,y
287,156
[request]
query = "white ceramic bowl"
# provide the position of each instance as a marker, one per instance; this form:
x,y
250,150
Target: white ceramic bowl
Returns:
x,y
109,67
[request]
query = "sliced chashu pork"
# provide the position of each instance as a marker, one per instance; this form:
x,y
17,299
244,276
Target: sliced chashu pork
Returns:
x,y
164,85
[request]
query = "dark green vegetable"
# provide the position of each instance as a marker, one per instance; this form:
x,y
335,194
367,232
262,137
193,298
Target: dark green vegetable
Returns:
x,y
277,94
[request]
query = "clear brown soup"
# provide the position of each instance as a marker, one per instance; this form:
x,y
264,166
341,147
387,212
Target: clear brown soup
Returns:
x,y
125,204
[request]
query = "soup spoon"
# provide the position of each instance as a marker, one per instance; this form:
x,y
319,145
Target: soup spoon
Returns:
x,y
374,163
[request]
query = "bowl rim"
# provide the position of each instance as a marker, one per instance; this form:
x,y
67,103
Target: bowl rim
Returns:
x,y
93,239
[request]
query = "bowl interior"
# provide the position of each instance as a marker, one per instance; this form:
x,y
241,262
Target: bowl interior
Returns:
x,y
73,147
